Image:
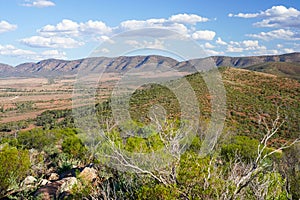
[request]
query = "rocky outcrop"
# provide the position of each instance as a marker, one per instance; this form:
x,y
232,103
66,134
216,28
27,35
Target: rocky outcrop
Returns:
x,y
55,188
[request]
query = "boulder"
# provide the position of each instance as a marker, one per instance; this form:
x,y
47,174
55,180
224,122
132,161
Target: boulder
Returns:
x,y
53,177
44,182
68,184
29,180
56,189
88,174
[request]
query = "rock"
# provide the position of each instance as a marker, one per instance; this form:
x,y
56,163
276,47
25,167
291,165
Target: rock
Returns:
x,y
67,184
29,180
56,189
44,182
53,177
88,174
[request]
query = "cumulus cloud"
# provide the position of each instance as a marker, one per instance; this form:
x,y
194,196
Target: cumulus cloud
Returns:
x,y
51,42
245,45
69,34
276,34
266,52
70,28
12,51
288,50
156,44
232,49
38,3
208,45
151,23
203,35
105,50
211,52
220,41
187,18
6,26
180,23
275,17
56,54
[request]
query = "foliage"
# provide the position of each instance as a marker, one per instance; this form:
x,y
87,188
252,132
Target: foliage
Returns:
x,y
24,106
244,146
37,139
74,147
14,165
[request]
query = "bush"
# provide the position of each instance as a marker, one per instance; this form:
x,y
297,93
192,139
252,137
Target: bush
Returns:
x,y
74,147
14,165
242,146
158,191
36,138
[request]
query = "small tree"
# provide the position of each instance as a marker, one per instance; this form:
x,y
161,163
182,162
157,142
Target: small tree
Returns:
x,y
244,175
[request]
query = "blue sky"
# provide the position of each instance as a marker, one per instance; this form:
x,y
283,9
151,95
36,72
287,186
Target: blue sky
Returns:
x,y
32,30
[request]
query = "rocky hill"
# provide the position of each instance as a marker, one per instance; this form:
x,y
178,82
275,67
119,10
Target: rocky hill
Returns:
x,y
54,67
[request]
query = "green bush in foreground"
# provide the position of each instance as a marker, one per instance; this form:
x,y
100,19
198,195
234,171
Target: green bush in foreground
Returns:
x,y
14,165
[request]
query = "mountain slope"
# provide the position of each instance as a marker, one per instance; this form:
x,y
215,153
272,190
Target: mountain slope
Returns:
x,y
283,69
54,67
7,71
248,95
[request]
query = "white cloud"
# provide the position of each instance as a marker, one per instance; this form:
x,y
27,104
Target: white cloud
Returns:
x,y
156,44
51,42
245,45
232,49
6,26
266,52
276,34
152,23
104,38
220,41
187,18
38,3
208,45
203,35
250,44
288,50
210,52
65,27
275,17
242,15
50,54
97,30
12,51
91,26
105,50
70,28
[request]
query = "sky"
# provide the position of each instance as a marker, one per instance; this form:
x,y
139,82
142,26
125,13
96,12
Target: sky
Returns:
x,y
33,30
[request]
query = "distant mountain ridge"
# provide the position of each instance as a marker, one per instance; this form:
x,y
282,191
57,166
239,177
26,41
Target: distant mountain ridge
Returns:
x,y
55,67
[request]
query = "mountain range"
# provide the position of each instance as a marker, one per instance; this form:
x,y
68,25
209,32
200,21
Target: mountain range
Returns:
x,y
287,65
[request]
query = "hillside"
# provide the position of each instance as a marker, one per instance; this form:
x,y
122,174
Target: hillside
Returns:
x,y
50,153
54,67
248,95
243,62
283,69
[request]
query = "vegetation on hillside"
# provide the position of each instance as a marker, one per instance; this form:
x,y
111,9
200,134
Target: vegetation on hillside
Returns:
x,y
256,156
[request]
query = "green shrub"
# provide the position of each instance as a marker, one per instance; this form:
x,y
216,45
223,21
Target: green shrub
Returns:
x,y
74,147
242,146
14,165
36,138
158,191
